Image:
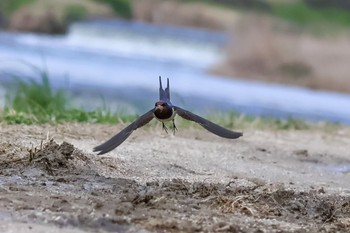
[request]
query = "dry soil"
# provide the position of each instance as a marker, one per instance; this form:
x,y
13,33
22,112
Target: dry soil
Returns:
x,y
266,181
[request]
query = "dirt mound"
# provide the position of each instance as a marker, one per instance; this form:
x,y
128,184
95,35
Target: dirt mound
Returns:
x,y
52,157
11,157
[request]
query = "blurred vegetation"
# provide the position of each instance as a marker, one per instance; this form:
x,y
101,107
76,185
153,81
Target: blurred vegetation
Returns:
x,y
122,8
242,4
74,13
238,121
302,12
9,6
38,102
309,15
339,4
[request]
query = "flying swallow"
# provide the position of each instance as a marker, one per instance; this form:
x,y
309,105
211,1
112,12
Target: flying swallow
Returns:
x,y
164,111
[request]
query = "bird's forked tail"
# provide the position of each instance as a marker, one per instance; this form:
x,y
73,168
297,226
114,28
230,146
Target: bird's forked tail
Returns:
x,y
164,94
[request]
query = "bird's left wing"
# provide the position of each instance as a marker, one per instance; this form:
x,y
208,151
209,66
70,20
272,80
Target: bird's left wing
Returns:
x,y
117,139
210,126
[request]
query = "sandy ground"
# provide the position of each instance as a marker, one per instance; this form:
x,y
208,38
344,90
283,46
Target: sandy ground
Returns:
x,y
266,181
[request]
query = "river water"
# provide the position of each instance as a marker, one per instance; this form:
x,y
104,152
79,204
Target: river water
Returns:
x,y
117,63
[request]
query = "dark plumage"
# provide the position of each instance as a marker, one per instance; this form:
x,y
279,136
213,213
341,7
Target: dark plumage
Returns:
x,y
164,111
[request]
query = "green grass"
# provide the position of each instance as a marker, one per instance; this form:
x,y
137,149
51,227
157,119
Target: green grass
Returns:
x,y
74,13
235,4
123,8
237,121
305,15
9,6
37,102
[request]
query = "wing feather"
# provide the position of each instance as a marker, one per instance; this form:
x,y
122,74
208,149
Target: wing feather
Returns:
x,y
210,126
119,138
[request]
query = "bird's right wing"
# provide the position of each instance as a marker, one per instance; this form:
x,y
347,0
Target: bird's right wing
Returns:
x,y
117,139
210,126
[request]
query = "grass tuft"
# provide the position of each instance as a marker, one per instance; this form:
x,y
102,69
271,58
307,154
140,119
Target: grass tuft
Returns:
x,y
38,99
37,102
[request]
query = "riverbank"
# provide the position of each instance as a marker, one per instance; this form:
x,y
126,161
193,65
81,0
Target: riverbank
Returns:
x,y
266,180
269,50
215,15
309,53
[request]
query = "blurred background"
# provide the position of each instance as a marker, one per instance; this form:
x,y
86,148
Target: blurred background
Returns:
x,y
272,58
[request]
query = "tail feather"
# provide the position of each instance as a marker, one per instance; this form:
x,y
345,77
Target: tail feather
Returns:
x,y
163,94
167,90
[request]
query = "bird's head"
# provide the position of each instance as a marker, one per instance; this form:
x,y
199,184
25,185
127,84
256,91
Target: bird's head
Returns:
x,y
160,106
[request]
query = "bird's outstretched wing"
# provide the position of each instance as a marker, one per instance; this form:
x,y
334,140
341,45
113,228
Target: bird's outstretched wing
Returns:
x,y
117,139
210,126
